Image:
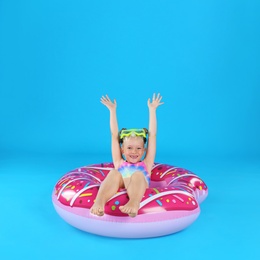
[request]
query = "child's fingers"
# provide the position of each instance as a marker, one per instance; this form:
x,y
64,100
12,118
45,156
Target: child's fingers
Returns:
x,y
160,98
103,98
157,97
108,99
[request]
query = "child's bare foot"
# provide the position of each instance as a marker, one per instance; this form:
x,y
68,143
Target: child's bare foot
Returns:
x,y
130,209
97,209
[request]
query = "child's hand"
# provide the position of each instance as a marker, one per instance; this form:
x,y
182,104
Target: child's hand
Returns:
x,y
156,101
105,100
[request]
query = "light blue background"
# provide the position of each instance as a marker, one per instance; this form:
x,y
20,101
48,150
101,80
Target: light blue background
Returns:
x,y
57,58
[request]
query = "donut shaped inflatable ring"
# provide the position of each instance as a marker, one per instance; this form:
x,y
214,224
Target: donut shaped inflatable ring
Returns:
x,y
170,204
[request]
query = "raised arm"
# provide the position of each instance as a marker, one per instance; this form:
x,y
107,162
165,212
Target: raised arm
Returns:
x,y
115,146
151,149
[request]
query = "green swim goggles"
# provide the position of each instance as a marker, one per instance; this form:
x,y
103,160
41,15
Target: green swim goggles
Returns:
x,y
132,132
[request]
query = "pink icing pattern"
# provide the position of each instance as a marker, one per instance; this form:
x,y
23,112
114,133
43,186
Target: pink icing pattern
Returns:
x,y
174,192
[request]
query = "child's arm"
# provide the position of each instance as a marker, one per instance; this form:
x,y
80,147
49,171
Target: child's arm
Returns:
x,y
115,145
151,149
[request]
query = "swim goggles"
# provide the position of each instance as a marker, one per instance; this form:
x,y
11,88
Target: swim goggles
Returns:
x,y
132,132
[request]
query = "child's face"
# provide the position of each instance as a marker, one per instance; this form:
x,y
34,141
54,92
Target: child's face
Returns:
x,y
133,149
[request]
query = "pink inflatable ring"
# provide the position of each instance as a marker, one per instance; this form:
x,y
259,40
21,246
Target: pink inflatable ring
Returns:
x,y
169,205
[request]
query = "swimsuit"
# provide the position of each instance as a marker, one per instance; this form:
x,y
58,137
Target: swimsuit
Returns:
x,y
127,169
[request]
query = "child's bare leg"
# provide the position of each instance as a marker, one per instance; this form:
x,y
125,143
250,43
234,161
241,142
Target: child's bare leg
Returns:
x,y
135,190
107,189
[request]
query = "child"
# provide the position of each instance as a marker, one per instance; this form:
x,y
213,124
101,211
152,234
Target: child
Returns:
x,y
131,173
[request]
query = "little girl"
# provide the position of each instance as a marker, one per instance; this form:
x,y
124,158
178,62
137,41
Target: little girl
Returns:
x,y
130,171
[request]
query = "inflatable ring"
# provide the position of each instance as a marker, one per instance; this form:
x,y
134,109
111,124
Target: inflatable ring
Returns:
x,y
169,205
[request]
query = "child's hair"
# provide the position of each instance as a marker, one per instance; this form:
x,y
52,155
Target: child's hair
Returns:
x,y
121,140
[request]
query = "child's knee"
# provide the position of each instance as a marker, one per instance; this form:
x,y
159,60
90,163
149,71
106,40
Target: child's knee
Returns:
x,y
115,174
139,177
